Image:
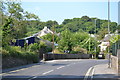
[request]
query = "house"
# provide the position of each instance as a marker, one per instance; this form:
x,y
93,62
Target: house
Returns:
x,y
43,32
105,42
34,38
28,40
103,46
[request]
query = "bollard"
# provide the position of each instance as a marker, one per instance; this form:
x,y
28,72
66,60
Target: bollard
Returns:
x,y
44,58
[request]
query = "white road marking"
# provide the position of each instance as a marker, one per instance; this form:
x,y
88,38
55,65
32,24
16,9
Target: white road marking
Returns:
x,y
18,70
47,72
33,78
88,73
60,67
93,71
42,74
2,74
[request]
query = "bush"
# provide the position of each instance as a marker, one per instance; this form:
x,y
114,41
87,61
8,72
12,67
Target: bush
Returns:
x,y
14,51
74,52
43,47
34,47
4,53
42,44
17,52
31,56
79,50
49,49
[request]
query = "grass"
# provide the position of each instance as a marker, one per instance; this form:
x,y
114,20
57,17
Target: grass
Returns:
x,y
58,52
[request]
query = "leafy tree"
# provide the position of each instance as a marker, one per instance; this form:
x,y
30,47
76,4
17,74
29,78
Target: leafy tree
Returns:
x,y
59,28
85,19
102,33
14,25
49,37
118,29
90,27
66,41
113,26
72,27
71,41
50,24
66,21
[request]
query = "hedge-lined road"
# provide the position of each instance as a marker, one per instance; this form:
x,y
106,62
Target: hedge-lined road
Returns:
x,y
56,69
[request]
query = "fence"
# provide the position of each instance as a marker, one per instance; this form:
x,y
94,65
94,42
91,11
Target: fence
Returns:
x,y
115,47
67,56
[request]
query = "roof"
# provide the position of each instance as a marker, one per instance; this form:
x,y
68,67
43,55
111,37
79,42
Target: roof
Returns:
x,y
107,38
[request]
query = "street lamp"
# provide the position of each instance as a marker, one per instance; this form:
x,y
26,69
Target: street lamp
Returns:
x,y
109,30
95,37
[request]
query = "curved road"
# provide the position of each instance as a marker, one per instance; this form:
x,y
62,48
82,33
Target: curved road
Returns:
x,y
75,69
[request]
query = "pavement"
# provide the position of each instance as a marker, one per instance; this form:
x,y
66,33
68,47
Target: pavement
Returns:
x,y
102,71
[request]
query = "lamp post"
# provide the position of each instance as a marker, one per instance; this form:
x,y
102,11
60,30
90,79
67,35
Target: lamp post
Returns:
x,y
109,30
95,37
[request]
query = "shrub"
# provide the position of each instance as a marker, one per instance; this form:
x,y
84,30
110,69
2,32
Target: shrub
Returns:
x,y
31,56
79,50
17,52
73,52
34,47
49,49
4,53
42,44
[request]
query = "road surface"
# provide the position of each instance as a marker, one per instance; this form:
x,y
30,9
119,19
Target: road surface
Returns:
x,y
76,69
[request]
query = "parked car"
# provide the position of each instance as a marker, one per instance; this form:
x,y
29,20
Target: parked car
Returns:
x,y
101,56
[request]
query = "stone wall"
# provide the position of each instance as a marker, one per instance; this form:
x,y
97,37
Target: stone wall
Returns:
x,y
118,55
114,63
10,62
67,56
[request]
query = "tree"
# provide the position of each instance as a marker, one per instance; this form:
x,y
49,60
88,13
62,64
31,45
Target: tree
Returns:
x,y
49,37
90,27
85,19
66,21
59,28
72,26
50,24
66,41
102,33
72,41
14,26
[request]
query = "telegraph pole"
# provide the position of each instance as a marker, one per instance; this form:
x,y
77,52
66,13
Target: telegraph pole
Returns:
x,y
53,40
109,17
95,37
109,31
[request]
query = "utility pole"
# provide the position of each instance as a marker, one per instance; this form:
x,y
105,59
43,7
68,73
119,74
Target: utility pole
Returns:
x,y
53,40
109,31
95,37
89,44
109,17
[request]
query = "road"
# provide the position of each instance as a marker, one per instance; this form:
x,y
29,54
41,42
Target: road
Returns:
x,y
54,70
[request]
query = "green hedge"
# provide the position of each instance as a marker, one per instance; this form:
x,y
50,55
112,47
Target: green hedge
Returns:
x,y
17,52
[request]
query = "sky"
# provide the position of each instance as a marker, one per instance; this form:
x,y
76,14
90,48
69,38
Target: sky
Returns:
x,y
67,10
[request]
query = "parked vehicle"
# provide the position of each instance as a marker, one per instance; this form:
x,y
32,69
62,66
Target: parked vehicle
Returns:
x,y
101,55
